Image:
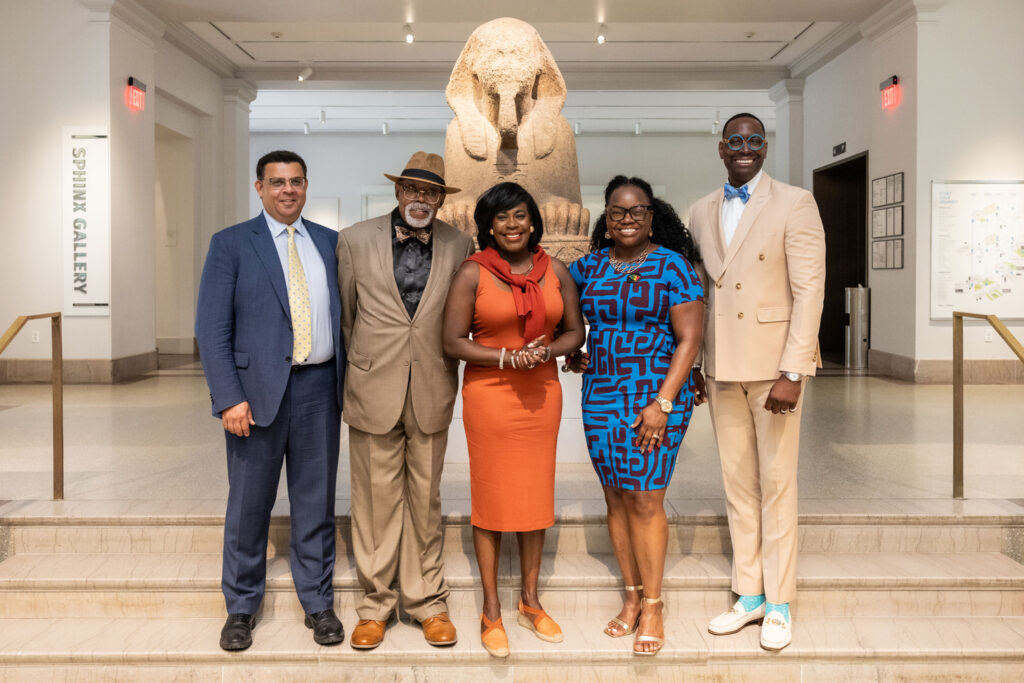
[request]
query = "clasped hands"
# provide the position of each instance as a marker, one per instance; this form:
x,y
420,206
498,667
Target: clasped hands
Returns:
x,y
531,354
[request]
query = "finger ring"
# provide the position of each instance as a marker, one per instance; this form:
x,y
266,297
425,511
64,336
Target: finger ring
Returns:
x,y
657,436
783,411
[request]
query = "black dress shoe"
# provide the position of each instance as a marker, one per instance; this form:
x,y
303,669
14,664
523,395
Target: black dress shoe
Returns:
x,y
327,628
237,632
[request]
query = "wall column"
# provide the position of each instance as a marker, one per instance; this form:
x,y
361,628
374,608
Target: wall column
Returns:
x,y
238,94
788,96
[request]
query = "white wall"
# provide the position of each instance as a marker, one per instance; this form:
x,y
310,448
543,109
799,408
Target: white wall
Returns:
x,y
77,73
894,148
43,92
970,128
837,108
342,165
132,172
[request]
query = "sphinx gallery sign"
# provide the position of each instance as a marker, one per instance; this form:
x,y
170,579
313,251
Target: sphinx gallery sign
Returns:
x,y
85,220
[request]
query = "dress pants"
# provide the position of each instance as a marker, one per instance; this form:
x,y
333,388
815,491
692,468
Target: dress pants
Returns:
x,y
759,452
396,518
305,434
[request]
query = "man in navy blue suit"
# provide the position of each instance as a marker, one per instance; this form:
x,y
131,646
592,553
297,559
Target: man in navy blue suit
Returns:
x,y
268,325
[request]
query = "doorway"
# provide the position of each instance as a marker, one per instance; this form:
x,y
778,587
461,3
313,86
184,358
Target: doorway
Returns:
x,y
841,190
174,244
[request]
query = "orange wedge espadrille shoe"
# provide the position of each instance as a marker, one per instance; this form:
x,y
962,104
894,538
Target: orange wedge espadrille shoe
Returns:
x,y
493,637
537,620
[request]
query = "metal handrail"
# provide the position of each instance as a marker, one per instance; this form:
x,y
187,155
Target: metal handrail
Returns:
x,y
958,386
57,380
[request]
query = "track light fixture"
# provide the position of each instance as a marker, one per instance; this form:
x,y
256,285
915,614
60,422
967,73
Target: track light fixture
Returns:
x,y
323,116
636,128
715,123
576,128
602,34
305,129
384,128
305,74
407,30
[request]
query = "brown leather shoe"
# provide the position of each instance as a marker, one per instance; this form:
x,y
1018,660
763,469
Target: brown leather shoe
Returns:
x,y
368,634
439,630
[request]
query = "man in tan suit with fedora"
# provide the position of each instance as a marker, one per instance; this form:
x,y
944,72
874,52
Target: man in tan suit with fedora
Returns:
x,y
764,253
394,272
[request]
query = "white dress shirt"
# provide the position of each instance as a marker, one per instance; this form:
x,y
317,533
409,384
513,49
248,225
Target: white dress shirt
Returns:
x,y
732,210
322,348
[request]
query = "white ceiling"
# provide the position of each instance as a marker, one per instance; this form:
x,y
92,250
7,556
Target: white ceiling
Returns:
x,y
669,64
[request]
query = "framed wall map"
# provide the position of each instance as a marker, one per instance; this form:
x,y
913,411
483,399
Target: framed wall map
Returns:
x,y
977,259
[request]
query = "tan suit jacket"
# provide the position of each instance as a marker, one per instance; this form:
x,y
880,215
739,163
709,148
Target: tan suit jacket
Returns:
x,y
765,290
390,354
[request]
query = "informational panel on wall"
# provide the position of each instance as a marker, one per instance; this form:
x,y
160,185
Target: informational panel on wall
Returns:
x,y
977,249
85,220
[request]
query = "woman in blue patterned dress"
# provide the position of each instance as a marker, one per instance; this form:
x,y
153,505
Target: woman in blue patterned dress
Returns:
x,y
645,306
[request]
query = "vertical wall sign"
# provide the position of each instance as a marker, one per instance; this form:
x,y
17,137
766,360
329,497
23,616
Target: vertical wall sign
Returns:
x,y
85,220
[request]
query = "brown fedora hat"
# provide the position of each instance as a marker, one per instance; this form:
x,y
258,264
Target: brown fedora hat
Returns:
x,y
426,168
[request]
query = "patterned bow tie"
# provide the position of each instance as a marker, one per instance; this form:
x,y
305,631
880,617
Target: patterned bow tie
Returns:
x,y
732,193
403,233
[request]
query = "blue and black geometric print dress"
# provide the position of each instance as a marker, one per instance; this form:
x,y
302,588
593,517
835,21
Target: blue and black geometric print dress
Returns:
x,y
631,345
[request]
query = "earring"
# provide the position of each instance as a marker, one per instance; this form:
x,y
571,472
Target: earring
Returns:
x,y
607,235
650,233
491,231
531,228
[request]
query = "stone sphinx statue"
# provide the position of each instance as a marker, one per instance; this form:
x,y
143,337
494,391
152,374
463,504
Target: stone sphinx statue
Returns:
x,y
507,94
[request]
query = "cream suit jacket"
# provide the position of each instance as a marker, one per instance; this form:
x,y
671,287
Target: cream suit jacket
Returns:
x,y
389,353
765,290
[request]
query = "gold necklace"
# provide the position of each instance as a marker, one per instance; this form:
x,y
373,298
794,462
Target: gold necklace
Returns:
x,y
628,268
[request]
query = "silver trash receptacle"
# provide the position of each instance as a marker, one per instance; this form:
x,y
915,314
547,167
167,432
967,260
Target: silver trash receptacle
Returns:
x,y
857,329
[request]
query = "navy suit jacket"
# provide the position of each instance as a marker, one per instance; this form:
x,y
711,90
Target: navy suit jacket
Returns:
x,y
243,322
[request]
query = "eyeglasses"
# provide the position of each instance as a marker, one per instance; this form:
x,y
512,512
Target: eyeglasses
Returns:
x,y
430,196
754,142
297,183
637,211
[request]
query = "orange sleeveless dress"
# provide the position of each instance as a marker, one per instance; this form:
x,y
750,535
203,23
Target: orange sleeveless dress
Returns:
x,y
511,416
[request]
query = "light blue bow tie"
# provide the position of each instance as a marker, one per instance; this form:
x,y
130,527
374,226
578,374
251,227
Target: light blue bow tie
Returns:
x,y
732,193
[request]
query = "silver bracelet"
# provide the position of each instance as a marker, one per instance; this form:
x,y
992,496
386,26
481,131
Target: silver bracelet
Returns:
x,y
513,357
501,359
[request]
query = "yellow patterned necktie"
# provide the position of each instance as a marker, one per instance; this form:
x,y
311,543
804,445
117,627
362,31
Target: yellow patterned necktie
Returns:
x,y
298,302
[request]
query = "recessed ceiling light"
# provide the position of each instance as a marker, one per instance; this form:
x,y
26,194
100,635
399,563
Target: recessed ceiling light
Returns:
x,y
407,30
602,34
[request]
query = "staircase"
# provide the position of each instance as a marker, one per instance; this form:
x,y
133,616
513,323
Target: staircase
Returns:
x,y
888,590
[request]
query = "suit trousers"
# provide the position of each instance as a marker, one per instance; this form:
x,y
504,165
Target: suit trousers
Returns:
x,y
305,434
759,452
396,518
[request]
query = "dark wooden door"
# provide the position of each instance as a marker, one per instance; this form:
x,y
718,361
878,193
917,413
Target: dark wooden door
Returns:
x,y
841,191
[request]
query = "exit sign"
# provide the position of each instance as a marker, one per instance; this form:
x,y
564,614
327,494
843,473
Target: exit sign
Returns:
x,y
135,96
891,96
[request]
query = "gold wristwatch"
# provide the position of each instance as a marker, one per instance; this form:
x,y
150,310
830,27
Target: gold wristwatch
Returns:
x,y
664,403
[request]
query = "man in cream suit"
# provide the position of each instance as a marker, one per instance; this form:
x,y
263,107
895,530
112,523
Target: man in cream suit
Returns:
x,y
394,273
764,252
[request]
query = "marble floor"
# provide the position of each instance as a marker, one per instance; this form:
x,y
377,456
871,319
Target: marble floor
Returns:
x,y
862,438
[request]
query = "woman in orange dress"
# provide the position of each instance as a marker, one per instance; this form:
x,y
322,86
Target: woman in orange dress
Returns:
x,y
522,310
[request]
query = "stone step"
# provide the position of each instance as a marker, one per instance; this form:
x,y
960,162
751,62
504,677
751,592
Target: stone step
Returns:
x,y
690,536
695,526
187,585
978,648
